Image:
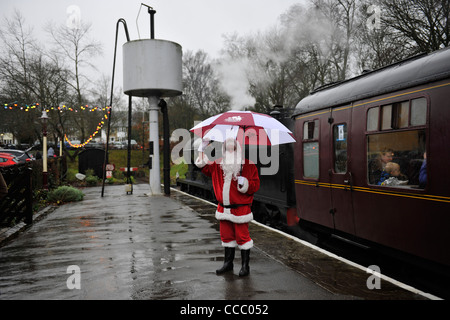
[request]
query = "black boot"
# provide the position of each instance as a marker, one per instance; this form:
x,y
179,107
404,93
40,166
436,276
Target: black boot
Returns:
x,y
245,270
228,261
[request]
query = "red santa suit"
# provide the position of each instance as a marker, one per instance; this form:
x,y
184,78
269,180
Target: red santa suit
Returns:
x,y
234,208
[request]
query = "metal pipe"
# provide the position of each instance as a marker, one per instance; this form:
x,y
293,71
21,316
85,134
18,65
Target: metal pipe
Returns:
x,y
163,105
121,20
152,12
152,22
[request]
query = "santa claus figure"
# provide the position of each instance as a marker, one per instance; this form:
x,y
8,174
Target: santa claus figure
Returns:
x,y
235,180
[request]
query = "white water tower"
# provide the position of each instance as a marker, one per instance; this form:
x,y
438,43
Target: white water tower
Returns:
x,y
152,68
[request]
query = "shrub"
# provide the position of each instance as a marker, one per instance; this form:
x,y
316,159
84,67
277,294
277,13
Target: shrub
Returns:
x,y
91,180
110,180
71,175
118,175
65,194
89,172
131,178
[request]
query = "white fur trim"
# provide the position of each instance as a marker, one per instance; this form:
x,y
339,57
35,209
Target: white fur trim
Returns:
x,y
244,187
226,215
247,245
231,244
226,190
200,162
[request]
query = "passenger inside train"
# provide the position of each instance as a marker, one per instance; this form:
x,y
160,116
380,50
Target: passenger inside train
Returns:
x,y
378,165
423,172
391,175
397,133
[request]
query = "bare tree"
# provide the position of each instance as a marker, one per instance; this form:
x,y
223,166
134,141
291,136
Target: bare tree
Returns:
x,y
376,43
73,45
201,86
18,47
423,23
30,74
28,77
285,63
340,16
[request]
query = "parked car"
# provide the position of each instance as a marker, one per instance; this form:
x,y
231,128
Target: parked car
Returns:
x,y
21,156
118,145
124,145
7,159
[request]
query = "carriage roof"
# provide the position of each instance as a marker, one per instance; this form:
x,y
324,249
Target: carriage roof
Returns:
x,y
407,73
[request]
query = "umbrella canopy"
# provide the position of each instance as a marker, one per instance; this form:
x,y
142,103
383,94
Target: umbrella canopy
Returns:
x,y
250,127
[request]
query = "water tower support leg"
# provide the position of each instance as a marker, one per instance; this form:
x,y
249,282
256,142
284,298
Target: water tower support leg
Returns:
x,y
155,175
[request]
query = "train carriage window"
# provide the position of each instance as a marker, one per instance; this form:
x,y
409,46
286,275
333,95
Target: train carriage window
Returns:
x,y
386,117
372,119
418,112
394,156
311,149
311,130
340,148
401,115
395,116
311,160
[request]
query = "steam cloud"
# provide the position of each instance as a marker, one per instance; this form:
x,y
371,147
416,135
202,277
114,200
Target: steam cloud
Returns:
x,y
233,75
302,30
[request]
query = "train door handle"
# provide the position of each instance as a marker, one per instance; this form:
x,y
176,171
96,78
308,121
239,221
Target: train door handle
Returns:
x,y
349,181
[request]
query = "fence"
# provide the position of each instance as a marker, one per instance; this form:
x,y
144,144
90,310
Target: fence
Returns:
x,y
22,180
18,204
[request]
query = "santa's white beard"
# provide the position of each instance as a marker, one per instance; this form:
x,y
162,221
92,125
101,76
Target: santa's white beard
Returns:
x,y
231,165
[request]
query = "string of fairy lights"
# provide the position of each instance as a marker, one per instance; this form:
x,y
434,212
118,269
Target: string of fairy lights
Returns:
x,y
29,107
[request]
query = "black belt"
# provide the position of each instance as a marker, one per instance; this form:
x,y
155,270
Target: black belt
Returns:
x,y
234,206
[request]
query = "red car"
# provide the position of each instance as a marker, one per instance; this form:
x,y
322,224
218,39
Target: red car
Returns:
x,y
7,160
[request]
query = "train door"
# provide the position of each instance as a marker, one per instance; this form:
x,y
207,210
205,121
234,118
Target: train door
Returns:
x,y
311,168
340,170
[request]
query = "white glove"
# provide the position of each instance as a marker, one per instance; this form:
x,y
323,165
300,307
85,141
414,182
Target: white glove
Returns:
x,y
242,184
203,145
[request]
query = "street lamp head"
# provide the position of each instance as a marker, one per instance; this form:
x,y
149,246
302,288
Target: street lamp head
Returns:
x,y
44,117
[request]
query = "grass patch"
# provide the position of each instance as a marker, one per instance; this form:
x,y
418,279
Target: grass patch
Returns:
x,y
119,158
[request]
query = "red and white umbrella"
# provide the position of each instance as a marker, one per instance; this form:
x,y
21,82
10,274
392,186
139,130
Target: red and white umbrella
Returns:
x,y
251,127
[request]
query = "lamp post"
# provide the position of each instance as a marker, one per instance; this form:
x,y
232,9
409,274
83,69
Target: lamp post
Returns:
x,y
44,119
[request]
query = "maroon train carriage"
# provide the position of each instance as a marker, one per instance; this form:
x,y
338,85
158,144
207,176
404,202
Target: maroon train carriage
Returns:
x,y
342,131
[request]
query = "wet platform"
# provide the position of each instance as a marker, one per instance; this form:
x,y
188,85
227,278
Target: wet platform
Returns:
x,y
141,247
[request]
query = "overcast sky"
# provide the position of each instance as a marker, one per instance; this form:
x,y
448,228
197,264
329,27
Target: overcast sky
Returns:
x,y
194,24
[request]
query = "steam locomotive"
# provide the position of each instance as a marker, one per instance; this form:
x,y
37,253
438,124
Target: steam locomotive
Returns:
x,y
328,181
